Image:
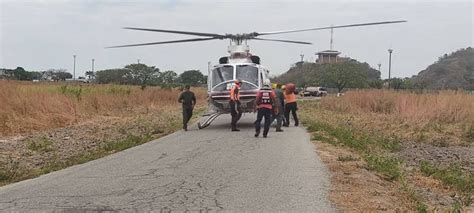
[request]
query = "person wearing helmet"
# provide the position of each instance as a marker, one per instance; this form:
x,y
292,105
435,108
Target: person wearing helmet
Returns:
x,y
234,102
265,99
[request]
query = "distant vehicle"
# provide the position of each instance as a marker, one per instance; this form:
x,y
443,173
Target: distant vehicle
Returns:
x,y
314,91
82,80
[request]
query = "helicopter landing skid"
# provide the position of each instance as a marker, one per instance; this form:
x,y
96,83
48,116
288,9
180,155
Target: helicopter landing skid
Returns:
x,y
209,120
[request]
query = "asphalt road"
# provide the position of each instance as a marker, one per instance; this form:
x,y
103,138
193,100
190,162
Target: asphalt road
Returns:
x,y
199,170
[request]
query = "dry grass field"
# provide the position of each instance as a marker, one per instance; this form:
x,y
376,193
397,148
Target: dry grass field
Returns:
x,y
49,126
26,107
420,143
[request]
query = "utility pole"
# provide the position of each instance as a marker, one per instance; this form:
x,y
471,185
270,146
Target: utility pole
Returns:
x,y
302,57
389,63
93,65
74,68
379,64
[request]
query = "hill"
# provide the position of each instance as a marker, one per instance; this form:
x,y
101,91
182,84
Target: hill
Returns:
x,y
313,74
452,71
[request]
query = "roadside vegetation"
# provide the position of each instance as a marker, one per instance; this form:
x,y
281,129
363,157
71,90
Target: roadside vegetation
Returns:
x,y
421,142
50,126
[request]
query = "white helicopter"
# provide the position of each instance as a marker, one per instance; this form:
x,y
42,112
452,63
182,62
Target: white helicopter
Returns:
x,y
240,64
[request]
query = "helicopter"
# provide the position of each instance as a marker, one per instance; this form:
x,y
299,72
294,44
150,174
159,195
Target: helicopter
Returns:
x,y
239,64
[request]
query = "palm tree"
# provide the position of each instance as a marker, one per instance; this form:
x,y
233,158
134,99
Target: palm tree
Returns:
x,y
90,74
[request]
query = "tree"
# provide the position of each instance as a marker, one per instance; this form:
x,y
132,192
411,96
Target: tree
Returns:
x,y
168,78
111,76
55,74
90,75
378,84
62,75
192,77
141,74
343,75
310,74
395,83
21,74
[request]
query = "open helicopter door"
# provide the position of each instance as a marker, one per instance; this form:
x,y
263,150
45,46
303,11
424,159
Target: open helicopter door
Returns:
x,y
209,77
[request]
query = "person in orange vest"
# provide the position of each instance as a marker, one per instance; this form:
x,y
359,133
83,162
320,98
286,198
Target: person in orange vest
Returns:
x,y
290,99
234,102
265,100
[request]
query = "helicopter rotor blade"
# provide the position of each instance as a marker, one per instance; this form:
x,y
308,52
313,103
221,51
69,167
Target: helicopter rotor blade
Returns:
x,y
177,32
333,27
279,40
164,42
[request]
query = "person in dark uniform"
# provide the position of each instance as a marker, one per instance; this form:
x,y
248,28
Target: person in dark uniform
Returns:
x,y
265,99
280,103
188,101
234,102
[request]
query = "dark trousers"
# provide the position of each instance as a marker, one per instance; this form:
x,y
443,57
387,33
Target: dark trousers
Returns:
x,y
261,113
291,107
280,118
187,114
235,112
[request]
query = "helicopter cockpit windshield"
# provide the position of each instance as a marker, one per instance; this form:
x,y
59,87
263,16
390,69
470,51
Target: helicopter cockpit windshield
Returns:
x,y
222,77
249,75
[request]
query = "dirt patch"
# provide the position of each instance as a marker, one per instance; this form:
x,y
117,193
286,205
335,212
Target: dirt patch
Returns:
x,y
413,153
356,189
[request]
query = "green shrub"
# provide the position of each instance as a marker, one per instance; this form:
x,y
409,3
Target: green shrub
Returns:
x,y
386,165
44,144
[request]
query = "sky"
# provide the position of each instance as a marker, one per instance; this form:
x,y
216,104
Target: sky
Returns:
x,y
45,34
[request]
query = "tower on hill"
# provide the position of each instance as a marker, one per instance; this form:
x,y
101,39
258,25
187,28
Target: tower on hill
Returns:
x,y
330,56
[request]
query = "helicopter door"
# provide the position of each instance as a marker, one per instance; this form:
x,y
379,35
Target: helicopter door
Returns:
x,y
209,78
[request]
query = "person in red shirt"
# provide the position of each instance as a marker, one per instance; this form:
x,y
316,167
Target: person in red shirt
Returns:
x,y
265,99
234,102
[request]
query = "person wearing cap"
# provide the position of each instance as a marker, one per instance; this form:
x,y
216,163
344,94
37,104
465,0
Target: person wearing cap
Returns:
x,y
188,101
234,102
265,99
290,106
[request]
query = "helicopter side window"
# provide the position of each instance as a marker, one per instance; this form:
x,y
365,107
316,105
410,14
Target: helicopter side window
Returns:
x,y
249,75
222,74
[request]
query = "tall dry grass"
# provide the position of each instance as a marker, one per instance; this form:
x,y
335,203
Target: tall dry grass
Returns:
x,y
440,107
27,106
